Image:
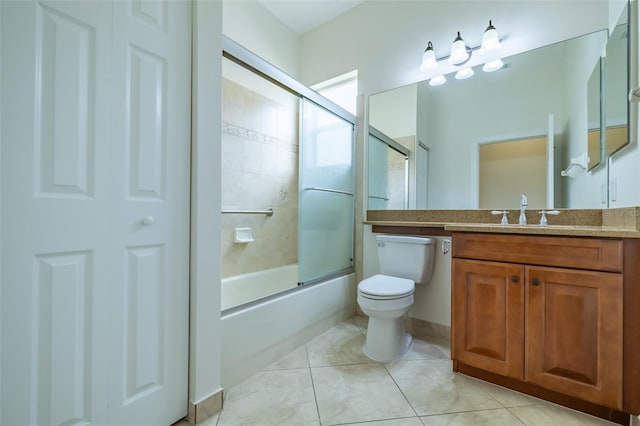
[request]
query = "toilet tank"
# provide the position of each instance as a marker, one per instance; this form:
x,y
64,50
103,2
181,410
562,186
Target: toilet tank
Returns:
x,y
406,256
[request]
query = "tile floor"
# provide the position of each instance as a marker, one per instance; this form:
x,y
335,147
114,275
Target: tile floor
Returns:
x,y
329,381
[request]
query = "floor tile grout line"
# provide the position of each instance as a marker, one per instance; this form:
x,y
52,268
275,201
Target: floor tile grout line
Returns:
x,y
516,416
365,422
384,365
313,386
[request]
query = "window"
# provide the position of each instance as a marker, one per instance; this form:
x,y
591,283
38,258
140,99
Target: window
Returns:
x,y
341,90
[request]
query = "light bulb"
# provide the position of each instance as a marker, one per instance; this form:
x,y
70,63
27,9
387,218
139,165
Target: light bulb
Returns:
x,y
492,66
428,59
464,73
459,52
437,80
490,40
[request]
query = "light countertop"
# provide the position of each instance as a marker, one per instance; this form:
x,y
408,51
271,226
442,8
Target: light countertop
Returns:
x,y
606,223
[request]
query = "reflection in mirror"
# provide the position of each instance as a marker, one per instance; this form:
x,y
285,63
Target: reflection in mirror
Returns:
x,y
514,103
616,88
594,96
514,166
388,172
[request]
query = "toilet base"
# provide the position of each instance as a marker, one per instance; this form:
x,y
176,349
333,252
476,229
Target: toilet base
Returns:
x,y
386,340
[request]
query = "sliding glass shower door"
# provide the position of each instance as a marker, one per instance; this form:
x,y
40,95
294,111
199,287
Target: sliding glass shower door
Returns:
x,y
325,232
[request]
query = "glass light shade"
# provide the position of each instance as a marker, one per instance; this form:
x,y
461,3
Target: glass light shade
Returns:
x,y
429,61
492,66
459,52
490,40
437,80
464,73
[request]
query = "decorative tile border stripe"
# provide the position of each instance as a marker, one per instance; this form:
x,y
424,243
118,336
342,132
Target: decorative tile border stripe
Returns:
x,y
252,135
243,133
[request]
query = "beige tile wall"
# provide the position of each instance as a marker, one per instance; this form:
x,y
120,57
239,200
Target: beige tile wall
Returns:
x,y
259,171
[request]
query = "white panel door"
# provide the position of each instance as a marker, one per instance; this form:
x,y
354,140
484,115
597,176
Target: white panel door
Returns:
x,y
150,219
93,300
55,212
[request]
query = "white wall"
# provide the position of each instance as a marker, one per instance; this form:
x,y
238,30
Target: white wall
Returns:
x,y
394,112
251,25
204,308
625,163
384,40
585,190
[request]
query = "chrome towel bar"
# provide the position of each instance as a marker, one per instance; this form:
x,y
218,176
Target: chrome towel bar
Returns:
x,y
268,212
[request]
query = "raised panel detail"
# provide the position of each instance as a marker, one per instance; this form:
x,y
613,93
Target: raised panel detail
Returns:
x,y
566,305
151,12
487,314
146,95
145,300
65,134
573,333
63,297
487,301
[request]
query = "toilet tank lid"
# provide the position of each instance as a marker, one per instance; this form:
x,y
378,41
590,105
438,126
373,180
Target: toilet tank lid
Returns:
x,y
404,239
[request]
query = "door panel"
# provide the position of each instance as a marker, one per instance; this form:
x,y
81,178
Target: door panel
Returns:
x,y
65,52
488,311
325,231
146,138
574,333
95,195
55,211
63,337
150,218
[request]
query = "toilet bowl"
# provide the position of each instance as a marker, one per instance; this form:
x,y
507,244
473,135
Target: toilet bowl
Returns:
x,y
386,314
387,299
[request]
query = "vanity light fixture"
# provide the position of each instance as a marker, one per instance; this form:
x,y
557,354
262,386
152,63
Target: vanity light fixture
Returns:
x,y
460,54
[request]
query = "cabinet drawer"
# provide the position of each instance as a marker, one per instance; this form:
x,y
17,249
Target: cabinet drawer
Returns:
x,y
582,253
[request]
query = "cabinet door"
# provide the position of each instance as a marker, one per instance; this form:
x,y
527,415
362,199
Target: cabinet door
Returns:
x,y
574,333
488,316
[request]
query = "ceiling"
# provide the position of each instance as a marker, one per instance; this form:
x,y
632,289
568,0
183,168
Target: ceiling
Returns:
x,y
304,15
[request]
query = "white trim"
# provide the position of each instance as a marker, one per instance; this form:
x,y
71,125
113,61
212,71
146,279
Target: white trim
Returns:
x,y
339,80
206,132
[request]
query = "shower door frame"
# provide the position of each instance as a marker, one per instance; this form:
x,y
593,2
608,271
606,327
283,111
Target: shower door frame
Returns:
x,y
247,59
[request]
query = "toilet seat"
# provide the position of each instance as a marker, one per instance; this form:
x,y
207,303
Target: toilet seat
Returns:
x,y
384,287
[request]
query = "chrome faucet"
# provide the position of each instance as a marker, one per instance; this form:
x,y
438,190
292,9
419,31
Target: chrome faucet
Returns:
x,y
523,208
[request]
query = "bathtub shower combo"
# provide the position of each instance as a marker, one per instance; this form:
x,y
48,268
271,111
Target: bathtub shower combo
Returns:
x,y
287,182
287,213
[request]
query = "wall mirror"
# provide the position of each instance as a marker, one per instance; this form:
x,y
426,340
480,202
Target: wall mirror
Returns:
x,y
594,104
616,88
493,136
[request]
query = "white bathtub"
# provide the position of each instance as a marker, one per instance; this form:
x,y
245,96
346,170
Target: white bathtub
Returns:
x,y
259,334
244,288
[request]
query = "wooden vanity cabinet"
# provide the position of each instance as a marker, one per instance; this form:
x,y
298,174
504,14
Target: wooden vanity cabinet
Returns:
x,y
543,311
488,314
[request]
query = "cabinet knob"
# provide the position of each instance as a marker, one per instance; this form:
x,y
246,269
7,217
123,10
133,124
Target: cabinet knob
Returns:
x,y
515,279
535,281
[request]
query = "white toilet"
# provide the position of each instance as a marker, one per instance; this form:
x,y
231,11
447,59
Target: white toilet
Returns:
x,y
387,298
